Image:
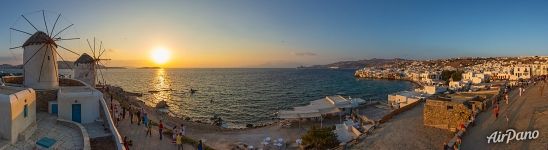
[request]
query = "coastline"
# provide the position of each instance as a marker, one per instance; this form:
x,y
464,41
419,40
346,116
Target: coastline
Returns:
x,y
415,84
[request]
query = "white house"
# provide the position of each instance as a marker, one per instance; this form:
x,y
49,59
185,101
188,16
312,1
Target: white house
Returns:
x,y
433,89
522,72
18,110
403,98
457,85
79,103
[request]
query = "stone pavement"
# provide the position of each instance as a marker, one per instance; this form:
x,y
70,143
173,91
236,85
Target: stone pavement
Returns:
x,y
141,142
67,138
528,112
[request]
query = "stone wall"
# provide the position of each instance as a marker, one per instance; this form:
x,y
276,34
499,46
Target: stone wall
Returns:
x,y
43,97
445,114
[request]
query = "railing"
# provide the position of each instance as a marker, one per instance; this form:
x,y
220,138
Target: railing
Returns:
x,y
115,134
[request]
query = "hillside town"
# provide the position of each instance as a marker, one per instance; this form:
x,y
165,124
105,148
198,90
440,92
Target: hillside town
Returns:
x,y
451,97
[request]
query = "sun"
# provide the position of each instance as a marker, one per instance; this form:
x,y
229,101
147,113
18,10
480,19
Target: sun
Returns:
x,y
160,56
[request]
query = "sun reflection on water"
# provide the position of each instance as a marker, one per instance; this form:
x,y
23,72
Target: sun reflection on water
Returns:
x,y
162,85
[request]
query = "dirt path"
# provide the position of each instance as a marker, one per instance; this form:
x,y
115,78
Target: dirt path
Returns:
x,y
528,112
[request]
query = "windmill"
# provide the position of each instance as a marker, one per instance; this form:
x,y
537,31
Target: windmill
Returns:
x,y
40,68
86,66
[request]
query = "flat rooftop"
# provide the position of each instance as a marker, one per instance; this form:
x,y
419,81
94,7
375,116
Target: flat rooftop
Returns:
x,y
337,99
76,89
8,90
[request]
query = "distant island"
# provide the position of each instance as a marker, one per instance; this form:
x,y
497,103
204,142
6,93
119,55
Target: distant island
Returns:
x,y
355,64
149,68
60,65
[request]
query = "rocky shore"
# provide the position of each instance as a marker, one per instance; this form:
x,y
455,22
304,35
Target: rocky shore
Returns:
x,y
214,136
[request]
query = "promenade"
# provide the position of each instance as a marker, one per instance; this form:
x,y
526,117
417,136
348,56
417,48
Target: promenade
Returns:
x,y
140,141
528,112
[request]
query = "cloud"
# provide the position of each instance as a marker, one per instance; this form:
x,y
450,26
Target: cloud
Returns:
x,y
304,54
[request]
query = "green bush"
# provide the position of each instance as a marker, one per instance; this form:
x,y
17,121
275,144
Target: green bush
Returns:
x,y
320,138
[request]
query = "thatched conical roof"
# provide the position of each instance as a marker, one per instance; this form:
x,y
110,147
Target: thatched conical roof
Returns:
x,y
39,38
84,59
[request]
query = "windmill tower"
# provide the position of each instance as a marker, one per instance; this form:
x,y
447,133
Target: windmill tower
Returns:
x,y
40,55
40,69
86,67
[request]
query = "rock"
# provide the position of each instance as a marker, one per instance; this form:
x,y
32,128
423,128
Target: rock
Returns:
x,y
162,104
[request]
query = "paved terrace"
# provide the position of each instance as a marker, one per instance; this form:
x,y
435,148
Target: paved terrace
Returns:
x,y
48,126
405,131
525,113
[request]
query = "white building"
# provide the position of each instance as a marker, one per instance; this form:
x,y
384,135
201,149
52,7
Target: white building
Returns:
x,y
79,103
18,109
521,73
330,105
458,85
433,89
403,98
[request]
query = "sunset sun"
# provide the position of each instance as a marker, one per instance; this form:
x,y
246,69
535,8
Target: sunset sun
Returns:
x,y
160,56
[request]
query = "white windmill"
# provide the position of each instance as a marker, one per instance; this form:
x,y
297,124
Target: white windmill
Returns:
x,y
40,55
86,66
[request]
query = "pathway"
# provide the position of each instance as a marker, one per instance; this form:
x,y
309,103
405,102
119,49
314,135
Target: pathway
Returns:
x,y
141,142
525,113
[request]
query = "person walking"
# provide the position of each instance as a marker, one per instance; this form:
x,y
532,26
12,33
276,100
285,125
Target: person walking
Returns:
x,y
138,113
200,145
124,112
175,134
145,119
130,111
126,142
160,129
142,115
179,141
149,130
115,117
506,97
496,111
520,90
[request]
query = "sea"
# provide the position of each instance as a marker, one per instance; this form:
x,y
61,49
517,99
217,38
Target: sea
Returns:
x,y
244,96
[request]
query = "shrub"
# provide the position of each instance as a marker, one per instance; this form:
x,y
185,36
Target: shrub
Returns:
x,y
320,138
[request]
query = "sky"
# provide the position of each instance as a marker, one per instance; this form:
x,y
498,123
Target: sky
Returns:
x,y
282,33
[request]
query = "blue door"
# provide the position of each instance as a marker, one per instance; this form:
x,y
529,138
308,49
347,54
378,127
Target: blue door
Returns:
x,y
54,109
77,113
